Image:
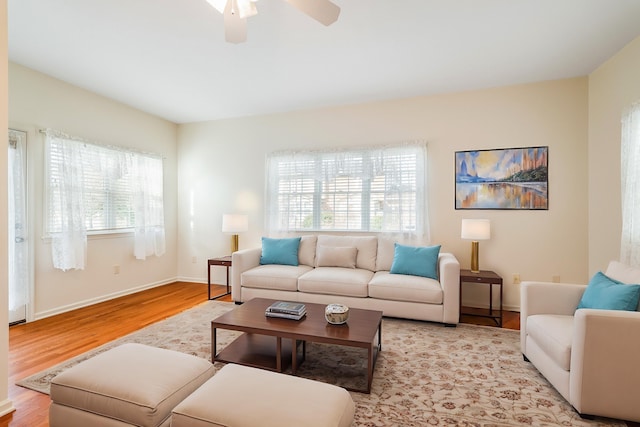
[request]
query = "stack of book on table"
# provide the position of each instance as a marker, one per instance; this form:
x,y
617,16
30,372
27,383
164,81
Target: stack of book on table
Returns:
x,y
286,310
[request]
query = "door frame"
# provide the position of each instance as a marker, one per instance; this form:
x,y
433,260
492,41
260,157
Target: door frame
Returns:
x,y
32,135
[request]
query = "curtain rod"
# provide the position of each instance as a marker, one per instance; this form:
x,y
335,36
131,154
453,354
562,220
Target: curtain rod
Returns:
x,y
60,134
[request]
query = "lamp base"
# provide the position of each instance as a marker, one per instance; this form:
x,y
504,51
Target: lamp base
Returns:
x,y
234,243
475,249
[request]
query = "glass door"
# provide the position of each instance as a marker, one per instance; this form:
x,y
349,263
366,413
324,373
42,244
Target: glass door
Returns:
x,y
18,241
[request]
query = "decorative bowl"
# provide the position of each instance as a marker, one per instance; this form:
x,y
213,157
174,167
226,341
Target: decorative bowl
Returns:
x,y
336,314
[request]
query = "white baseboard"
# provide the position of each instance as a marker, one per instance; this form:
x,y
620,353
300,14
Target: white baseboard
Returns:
x,y
486,306
88,302
192,280
6,407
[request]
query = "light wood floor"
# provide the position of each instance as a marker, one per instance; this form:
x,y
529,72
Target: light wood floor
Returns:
x,y
38,345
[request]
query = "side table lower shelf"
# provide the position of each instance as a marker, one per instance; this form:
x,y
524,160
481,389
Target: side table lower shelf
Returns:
x,y
223,262
491,279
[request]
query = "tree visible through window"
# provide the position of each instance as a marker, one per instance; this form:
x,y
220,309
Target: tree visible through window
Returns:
x,y
378,189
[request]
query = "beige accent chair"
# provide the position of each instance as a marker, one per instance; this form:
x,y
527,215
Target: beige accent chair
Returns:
x,y
590,356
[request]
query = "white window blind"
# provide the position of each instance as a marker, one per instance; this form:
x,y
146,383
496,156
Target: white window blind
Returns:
x,y
105,180
630,174
379,189
99,189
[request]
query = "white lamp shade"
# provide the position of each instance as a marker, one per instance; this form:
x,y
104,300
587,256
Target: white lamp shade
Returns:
x,y
233,223
476,229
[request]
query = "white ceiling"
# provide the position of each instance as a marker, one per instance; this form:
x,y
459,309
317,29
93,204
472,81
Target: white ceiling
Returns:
x,y
169,57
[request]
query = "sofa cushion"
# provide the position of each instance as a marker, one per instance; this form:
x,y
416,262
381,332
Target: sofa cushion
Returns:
x,y
280,251
608,294
623,273
553,334
416,261
336,281
335,256
386,251
274,276
367,248
401,287
307,250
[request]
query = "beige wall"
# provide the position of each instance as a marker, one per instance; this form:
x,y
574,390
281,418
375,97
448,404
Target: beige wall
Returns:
x,y
5,404
221,169
612,88
39,101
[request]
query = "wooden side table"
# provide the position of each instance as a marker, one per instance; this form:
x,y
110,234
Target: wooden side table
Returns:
x,y
224,261
483,277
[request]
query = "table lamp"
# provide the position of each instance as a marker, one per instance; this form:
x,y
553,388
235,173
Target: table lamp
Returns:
x,y
234,224
474,230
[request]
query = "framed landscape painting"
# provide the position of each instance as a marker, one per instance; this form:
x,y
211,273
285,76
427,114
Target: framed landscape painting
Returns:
x,y
509,178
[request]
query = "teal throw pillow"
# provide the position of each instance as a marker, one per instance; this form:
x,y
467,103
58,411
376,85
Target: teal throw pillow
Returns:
x,y
608,294
280,251
416,260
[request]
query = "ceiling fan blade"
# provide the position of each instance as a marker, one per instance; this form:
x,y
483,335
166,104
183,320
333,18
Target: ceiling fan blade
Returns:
x,y
218,5
235,27
322,11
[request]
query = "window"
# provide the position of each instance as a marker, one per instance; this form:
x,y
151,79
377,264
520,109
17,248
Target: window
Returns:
x,y
105,182
98,189
377,189
630,161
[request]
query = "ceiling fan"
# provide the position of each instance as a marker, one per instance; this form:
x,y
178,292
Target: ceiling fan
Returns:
x,y
236,13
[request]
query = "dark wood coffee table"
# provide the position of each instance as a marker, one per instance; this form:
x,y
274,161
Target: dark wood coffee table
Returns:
x,y
272,343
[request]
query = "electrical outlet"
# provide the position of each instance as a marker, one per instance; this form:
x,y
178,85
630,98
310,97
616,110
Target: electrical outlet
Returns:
x,y
556,278
516,279
194,259
116,269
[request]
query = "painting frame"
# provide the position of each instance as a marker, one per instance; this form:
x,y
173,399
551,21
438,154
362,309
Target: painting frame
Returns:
x,y
502,179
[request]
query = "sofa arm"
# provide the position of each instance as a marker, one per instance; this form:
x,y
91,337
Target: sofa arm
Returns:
x,y
604,373
242,261
449,274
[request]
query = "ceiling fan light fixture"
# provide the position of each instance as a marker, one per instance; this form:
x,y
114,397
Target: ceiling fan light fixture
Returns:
x,y
218,5
245,8
236,12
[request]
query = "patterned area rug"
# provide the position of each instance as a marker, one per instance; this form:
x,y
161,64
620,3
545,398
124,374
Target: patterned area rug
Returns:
x,y
426,374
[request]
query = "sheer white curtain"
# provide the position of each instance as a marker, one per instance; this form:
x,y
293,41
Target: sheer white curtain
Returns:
x,y
149,207
18,244
101,189
630,168
69,244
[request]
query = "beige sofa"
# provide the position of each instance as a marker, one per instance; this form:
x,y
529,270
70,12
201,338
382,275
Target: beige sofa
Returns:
x,y
589,355
322,277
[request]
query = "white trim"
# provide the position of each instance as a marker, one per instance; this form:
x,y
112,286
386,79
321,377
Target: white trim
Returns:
x,y
30,130
496,307
88,302
200,280
6,407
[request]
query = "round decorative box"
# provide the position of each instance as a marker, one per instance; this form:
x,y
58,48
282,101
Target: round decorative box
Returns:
x,y
336,314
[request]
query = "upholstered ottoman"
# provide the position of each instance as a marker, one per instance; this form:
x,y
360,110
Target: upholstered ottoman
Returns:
x,y
131,384
238,396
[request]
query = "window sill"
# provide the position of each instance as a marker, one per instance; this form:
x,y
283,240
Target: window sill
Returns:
x,y
98,235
